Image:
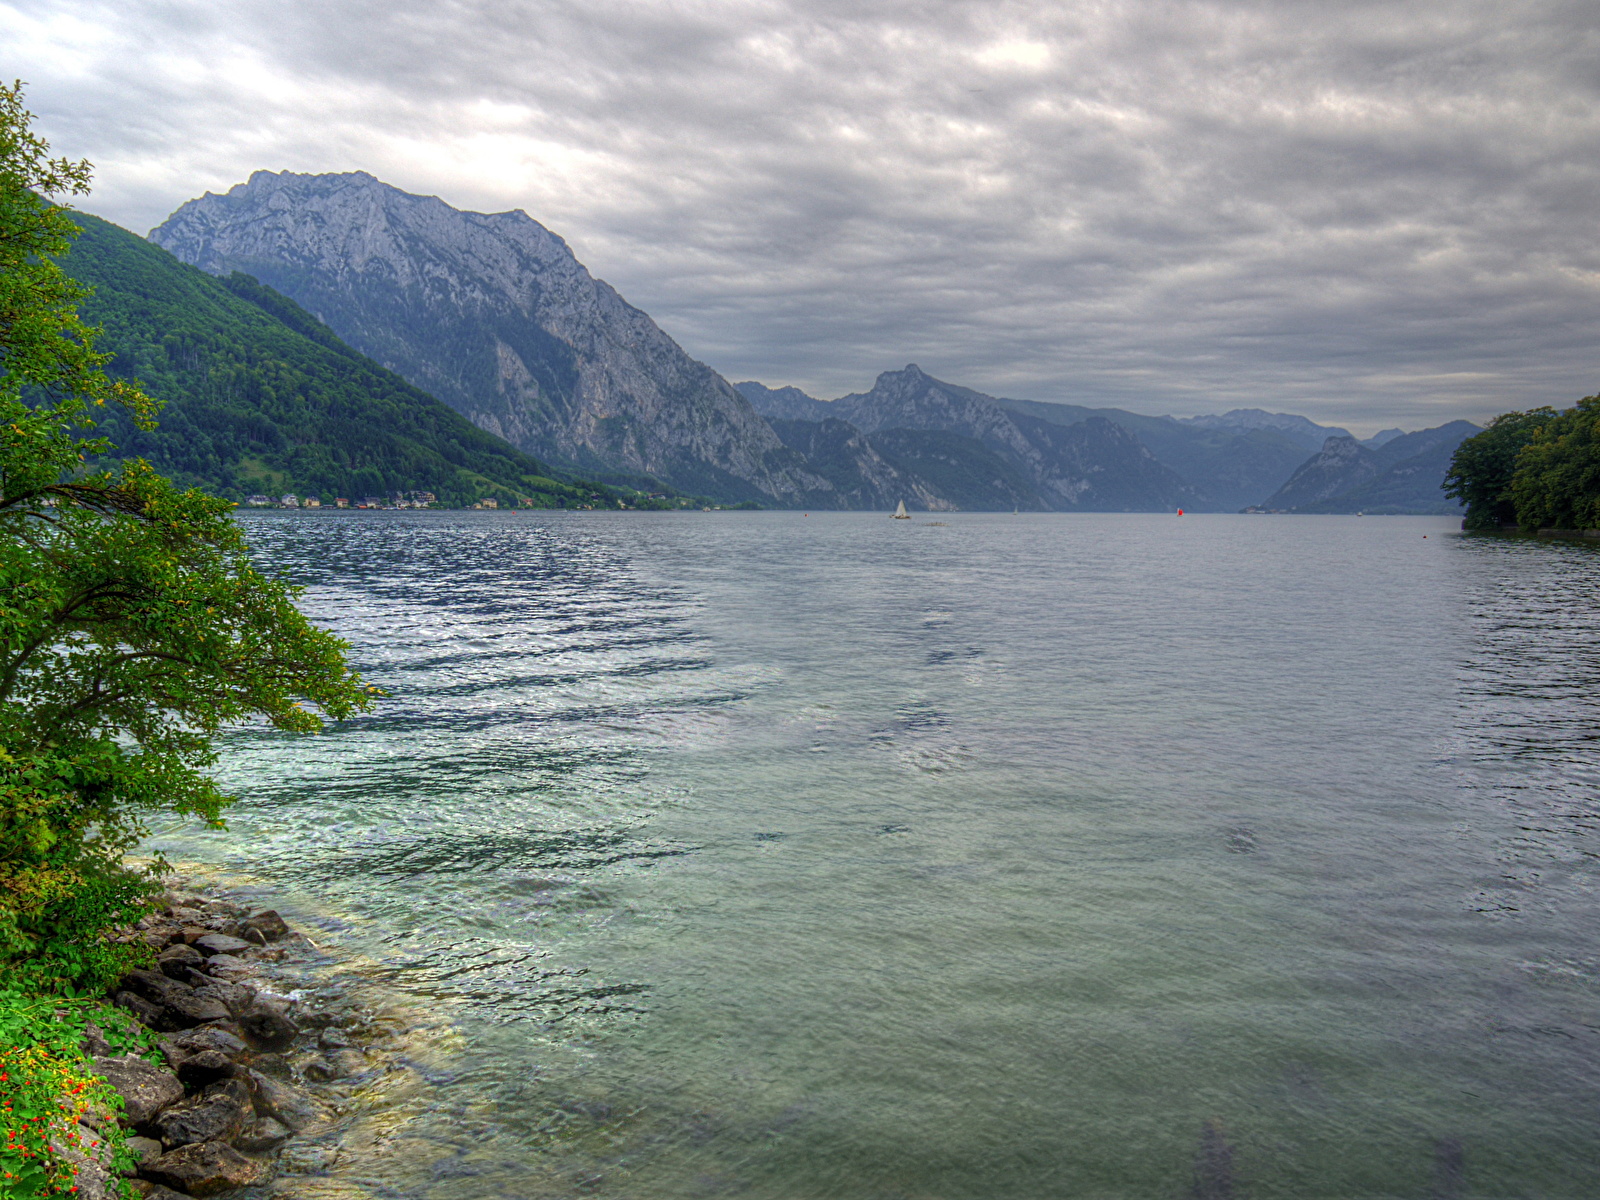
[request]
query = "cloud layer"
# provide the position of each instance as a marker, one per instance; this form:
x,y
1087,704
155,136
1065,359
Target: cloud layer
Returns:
x,y
1372,213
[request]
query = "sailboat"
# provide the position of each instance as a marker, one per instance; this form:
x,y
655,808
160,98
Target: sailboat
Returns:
x,y
900,513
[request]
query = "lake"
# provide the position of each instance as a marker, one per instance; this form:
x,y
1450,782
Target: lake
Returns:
x,y
1058,855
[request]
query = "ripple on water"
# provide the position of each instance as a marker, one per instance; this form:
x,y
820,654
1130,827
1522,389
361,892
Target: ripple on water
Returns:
x,y
1082,855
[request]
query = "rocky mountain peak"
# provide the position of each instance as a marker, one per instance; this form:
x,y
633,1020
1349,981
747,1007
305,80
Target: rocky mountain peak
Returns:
x,y
492,313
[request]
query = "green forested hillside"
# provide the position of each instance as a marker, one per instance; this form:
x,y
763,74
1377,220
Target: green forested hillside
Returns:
x,y
260,396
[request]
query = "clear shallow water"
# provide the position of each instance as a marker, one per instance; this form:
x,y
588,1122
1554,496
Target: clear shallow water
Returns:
x,y
778,856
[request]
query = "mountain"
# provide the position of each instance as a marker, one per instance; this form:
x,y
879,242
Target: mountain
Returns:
x,y
262,397
1230,460
1092,464
940,472
785,403
1343,464
494,315
1382,436
1401,475
1301,428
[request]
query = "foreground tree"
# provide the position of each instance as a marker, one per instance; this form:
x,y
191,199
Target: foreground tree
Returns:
x,y
133,627
1484,466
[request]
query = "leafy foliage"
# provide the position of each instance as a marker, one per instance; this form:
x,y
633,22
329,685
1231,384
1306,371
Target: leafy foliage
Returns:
x,y
1557,481
133,626
260,396
46,1089
1484,466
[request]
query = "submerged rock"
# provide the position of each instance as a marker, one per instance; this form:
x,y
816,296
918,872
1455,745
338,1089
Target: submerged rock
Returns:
x,y
279,1100
269,925
268,1028
265,1133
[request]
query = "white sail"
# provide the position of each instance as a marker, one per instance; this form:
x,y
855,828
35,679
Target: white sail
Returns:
x,y
900,513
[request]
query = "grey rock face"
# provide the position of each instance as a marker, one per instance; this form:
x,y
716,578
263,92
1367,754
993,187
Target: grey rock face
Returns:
x,y
1298,427
176,961
221,943
90,1159
861,476
206,1067
176,1003
217,1115
494,315
785,403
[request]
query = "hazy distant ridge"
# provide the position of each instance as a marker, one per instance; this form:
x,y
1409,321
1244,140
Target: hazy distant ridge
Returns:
x,y
1402,474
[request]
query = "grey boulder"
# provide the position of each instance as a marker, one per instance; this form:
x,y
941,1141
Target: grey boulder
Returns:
x,y
220,943
204,1169
217,1115
145,1088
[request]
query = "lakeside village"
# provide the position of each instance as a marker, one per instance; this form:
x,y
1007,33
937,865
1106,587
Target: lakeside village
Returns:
x,y
407,500
398,500
654,500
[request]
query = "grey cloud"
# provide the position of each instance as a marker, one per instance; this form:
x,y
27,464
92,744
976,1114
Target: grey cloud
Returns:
x,y
1371,213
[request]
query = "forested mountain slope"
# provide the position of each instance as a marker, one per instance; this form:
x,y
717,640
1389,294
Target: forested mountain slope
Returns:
x,y
262,397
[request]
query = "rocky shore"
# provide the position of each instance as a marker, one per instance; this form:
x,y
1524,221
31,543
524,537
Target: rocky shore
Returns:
x,y
261,1056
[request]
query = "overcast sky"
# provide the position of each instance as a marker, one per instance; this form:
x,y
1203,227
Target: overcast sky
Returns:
x,y
1372,213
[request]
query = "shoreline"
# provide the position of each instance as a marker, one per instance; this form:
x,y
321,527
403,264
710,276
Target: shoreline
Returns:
x,y
272,1054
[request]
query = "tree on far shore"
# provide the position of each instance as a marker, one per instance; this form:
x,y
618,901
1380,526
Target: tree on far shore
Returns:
x,y
1557,481
1484,466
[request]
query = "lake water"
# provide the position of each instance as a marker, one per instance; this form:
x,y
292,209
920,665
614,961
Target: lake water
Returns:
x,y
782,856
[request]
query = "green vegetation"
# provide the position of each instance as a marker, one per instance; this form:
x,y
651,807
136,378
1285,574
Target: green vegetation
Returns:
x,y
133,628
1538,469
45,1090
261,398
1557,482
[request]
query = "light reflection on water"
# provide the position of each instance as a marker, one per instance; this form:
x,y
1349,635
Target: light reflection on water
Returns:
x,y
787,857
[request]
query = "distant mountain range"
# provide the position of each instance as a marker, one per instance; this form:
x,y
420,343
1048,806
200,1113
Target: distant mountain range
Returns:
x,y
494,315
1127,461
1399,474
972,451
